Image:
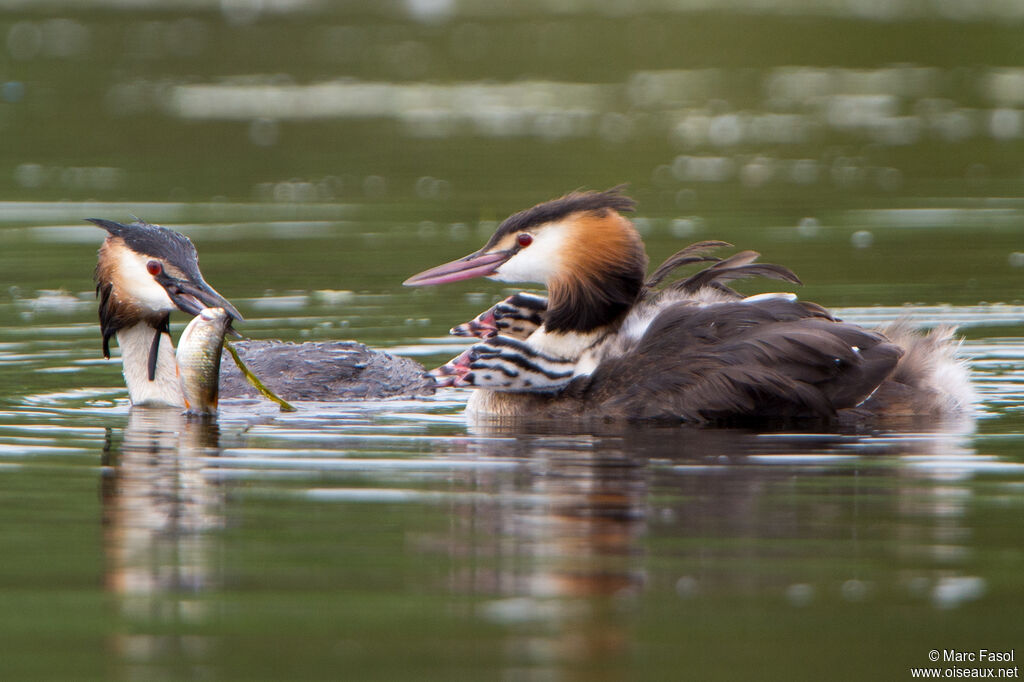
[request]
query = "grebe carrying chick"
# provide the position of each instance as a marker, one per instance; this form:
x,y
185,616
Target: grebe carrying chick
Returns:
x,y
607,342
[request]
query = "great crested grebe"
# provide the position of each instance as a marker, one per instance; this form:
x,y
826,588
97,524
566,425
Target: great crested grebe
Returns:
x,y
144,272
606,342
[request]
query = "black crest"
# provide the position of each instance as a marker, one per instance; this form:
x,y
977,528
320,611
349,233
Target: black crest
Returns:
x,y
157,241
556,209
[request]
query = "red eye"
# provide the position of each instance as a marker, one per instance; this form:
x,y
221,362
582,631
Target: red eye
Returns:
x,y
524,239
154,268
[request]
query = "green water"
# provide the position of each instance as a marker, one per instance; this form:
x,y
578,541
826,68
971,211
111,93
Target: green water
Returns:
x,y
318,154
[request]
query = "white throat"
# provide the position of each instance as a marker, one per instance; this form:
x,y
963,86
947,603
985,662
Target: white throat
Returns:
x,y
165,389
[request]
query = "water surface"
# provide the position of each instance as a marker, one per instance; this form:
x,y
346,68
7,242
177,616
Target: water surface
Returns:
x,y
320,154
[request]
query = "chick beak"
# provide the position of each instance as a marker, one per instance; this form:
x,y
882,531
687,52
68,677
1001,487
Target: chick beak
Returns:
x,y
474,265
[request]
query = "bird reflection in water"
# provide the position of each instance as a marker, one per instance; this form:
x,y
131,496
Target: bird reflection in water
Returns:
x,y
561,550
158,509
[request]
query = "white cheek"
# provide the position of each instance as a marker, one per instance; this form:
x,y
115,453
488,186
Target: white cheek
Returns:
x,y
140,285
538,262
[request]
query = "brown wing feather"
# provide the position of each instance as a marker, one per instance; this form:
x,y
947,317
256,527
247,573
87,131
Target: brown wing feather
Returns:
x,y
686,256
738,360
737,266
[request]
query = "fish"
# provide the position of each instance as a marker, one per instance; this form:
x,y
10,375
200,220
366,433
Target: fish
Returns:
x,y
199,351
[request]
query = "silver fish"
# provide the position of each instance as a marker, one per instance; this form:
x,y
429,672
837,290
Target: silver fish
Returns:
x,y
199,351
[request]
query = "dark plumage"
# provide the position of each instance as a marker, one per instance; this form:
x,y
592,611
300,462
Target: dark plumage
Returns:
x,y
779,358
556,209
328,370
694,253
156,241
116,315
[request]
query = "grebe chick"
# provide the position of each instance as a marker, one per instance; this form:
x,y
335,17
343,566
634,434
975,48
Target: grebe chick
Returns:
x,y
608,343
144,272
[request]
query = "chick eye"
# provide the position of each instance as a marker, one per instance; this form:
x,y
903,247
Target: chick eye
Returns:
x,y
154,267
524,239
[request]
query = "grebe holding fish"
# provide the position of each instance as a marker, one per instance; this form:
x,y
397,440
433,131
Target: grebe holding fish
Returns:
x,y
145,272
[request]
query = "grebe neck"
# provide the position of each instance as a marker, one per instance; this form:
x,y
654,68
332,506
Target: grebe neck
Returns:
x,y
136,343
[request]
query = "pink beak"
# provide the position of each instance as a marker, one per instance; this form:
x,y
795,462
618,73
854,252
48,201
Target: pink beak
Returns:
x,y
473,265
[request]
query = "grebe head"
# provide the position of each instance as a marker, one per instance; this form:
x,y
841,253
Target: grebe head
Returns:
x,y
580,246
144,272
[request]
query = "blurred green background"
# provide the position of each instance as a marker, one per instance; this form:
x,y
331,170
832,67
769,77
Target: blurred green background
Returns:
x,y
874,146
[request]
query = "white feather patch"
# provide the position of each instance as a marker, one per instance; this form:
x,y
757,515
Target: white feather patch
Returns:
x,y
538,262
568,345
136,282
772,296
135,343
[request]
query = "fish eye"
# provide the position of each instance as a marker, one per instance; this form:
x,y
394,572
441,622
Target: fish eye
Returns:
x,y
154,267
524,239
